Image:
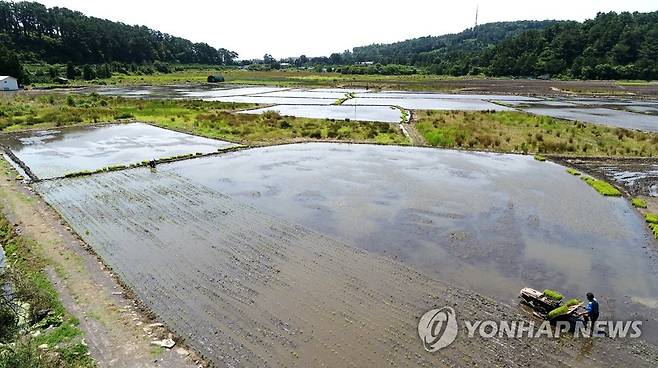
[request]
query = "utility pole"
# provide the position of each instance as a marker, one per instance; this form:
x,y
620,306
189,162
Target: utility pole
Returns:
x,y
477,9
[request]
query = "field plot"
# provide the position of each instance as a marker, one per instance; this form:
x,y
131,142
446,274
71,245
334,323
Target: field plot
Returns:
x,y
247,289
618,112
430,104
386,114
490,222
443,96
599,115
54,153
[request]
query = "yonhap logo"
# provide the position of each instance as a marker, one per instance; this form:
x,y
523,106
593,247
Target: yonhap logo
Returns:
x,y
438,328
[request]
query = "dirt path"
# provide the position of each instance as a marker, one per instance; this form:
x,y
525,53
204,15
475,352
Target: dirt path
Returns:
x,y
116,330
417,139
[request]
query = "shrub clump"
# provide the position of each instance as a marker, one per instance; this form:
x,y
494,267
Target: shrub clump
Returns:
x,y
602,187
540,158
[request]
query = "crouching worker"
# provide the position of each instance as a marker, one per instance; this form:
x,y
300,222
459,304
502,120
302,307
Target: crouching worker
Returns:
x,y
592,313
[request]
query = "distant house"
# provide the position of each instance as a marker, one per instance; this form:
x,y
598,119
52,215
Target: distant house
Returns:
x,y
215,78
366,63
285,65
8,83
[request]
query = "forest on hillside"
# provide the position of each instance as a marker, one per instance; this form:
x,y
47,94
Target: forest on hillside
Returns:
x,y
610,46
36,33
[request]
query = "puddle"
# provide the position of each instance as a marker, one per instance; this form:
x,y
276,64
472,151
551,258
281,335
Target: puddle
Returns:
x,y
54,153
384,114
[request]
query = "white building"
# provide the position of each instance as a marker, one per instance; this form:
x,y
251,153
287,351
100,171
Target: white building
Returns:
x,y
8,83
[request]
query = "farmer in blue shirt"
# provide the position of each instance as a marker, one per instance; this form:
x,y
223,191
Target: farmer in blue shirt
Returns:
x,y
592,313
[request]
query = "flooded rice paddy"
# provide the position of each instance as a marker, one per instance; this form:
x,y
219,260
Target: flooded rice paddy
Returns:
x,y
54,153
599,115
492,223
323,254
619,112
246,288
385,114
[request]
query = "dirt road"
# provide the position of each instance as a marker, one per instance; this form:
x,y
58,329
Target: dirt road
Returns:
x,y
113,323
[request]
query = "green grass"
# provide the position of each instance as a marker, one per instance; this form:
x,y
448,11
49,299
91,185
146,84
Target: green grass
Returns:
x,y
651,218
405,116
639,203
58,328
518,132
205,118
552,294
573,172
602,187
540,158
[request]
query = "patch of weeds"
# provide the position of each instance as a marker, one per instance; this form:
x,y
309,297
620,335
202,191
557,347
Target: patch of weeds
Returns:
x,y
573,172
405,116
540,158
638,203
45,312
78,173
602,187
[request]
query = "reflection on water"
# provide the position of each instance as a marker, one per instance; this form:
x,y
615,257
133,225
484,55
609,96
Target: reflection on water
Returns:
x,y
54,153
490,222
385,114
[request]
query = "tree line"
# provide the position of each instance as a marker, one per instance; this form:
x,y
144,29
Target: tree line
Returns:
x,y
610,46
36,33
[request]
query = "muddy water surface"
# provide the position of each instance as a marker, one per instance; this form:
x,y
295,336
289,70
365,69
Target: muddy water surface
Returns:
x,y
247,289
493,223
53,153
599,115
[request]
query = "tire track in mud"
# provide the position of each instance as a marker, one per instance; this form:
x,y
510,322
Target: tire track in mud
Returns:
x,y
248,289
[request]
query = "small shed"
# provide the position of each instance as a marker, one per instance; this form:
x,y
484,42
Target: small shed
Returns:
x,y
8,83
215,78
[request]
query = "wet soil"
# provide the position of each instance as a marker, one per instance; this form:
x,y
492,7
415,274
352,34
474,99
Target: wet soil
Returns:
x,y
635,176
249,289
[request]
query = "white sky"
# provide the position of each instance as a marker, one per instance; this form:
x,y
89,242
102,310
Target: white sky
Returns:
x,y
315,28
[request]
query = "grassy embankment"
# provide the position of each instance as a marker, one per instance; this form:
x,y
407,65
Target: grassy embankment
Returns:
x,y
36,330
207,118
524,133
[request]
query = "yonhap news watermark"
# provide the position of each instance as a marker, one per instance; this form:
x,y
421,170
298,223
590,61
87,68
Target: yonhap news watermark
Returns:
x,y
438,328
